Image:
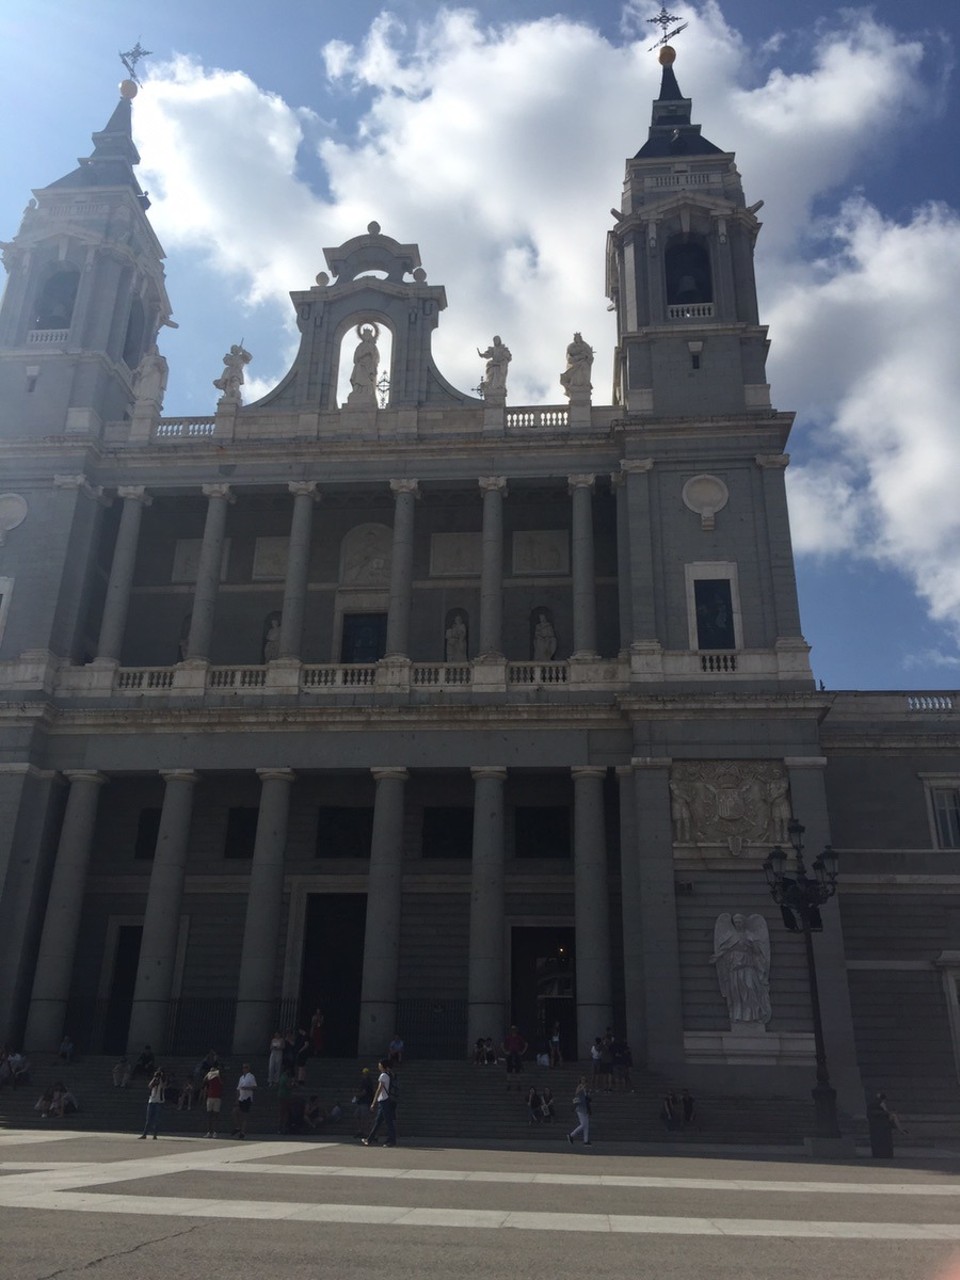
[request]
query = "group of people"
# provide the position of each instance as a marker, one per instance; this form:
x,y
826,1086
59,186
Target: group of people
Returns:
x,y
14,1067
611,1062
207,1090
290,1051
677,1112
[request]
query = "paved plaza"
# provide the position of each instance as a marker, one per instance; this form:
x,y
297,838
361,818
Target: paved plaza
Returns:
x,y
107,1206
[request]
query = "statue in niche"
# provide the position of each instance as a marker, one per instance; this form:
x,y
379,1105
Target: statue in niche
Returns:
x,y
150,379
270,648
681,814
575,379
741,953
544,638
366,362
231,380
455,638
498,357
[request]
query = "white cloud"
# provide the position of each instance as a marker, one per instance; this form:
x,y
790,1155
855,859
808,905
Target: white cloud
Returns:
x,y
500,151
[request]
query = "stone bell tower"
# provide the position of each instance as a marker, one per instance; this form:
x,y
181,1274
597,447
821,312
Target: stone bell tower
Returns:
x,y
680,274
85,297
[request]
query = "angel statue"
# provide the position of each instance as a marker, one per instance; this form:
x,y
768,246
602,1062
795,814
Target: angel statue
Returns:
x,y
741,952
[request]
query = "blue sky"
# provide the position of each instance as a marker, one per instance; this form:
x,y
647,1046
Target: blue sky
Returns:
x,y
495,138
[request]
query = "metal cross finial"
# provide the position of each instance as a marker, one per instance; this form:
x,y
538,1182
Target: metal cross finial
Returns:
x,y
664,20
131,58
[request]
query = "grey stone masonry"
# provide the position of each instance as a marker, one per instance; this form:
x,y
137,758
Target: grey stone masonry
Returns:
x,y
381,949
594,1004
406,493
208,571
298,565
491,582
486,975
114,621
584,573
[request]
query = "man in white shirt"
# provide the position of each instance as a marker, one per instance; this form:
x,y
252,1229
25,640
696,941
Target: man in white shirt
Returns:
x,y
245,1087
386,1106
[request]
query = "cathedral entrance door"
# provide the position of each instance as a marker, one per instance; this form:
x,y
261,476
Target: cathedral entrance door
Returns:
x,y
123,979
332,968
542,986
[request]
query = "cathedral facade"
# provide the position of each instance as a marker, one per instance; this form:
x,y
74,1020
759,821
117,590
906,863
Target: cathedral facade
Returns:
x,y
436,712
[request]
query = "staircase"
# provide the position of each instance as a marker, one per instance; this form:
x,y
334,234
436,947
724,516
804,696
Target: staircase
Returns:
x,y
437,1100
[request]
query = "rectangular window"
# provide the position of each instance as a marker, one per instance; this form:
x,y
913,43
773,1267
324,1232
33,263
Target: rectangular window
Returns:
x,y
364,637
241,833
344,831
713,601
946,816
447,833
148,828
541,831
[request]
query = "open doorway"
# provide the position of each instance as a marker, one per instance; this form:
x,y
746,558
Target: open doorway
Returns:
x,y
332,969
542,985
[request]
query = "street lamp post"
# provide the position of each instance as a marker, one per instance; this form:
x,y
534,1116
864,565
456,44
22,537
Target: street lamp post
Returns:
x,y
800,897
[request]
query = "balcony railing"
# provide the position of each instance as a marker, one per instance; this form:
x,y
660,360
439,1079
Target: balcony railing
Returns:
x,y
690,311
352,676
180,428
537,673
47,337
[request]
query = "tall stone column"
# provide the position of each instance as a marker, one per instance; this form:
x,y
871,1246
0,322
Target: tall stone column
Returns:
x,y
494,490
256,987
485,980
61,924
643,622
634,991
808,803
405,493
161,921
618,480
658,913
592,908
208,571
114,620
381,945
298,565
584,568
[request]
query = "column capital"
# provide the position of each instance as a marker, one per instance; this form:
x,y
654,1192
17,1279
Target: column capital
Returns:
x,y
805,762
398,774
405,486
218,491
588,771
83,485
85,775
493,484
477,772
179,775
772,460
304,489
636,466
276,775
651,762
584,481
135,493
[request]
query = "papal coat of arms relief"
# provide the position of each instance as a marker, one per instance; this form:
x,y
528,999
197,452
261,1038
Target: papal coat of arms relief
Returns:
x,y
729,802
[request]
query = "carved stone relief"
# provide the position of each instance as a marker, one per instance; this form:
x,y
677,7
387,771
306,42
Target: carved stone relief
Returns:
x,y
541,551
270,559
455,555
365,556
186,559
729,802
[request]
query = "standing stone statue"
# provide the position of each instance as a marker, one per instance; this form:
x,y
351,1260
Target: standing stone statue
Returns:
x,y
575,379
271,638
231,380
498,357
544,639
366,361
741,952
456,638
150,380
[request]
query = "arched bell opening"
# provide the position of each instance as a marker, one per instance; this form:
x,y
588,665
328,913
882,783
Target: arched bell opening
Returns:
x,y
57,299
689,278
364,365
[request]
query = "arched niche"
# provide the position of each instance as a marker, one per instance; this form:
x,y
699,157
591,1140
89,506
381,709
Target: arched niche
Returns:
x,y
689,278
365,362
57,298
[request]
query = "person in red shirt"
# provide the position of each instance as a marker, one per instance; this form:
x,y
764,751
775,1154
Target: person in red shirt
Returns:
x,y
514,1047
213,1095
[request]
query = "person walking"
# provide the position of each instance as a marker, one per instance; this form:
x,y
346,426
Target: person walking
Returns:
x,y
245,1089
581,1105
156,1091
362,1100
385,1103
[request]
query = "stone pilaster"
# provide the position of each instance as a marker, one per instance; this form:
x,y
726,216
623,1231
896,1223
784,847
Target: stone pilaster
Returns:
x,y
61,924
114,620
256,987
381,949
485,979
592,908
161,921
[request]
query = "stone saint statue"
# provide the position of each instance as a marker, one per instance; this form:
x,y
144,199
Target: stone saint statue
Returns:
x,y
456,637
498,358
150,379
271,638
366,361
544,639
741,952
575,379
231,380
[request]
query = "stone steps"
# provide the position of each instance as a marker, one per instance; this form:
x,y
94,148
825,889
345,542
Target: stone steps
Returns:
x,y
437,1099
